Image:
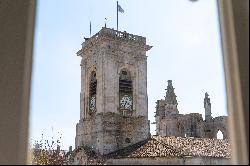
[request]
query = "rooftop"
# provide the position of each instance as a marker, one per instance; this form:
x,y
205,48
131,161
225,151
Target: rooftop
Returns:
x,y
159,146
113,34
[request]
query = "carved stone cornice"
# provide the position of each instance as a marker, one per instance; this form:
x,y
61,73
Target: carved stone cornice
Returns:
x,y
113,35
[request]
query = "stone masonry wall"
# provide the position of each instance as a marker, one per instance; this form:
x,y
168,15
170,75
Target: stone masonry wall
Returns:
x,y
108,132
170,123
191,125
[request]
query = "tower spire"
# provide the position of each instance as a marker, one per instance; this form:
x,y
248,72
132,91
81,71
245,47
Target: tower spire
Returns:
x,y
207,106
170,100
170,95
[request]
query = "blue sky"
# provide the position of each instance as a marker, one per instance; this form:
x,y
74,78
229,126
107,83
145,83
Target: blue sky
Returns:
x,y
186,49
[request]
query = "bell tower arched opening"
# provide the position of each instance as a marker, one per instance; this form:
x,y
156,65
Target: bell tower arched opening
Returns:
x,y
92,92
125,92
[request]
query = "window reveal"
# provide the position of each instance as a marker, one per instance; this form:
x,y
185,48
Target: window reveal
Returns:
x,y
125,91
92,92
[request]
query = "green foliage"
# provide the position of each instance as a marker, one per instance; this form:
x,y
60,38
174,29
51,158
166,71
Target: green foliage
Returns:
x,y
47,152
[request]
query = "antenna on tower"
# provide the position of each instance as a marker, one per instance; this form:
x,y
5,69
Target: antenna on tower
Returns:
x,y
105,22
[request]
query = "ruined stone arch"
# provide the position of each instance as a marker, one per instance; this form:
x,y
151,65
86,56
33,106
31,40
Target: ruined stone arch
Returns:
x,y
220,123
223,131
218,134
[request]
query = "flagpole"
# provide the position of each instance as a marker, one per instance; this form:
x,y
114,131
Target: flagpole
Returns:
x,y
90,29
117,15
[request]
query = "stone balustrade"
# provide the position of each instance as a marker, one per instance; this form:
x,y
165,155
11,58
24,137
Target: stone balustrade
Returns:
x,y
112,34
107,32
122,35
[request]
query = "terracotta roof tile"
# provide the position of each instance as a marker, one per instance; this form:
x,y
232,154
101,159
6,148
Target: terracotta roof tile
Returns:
x,y
160,146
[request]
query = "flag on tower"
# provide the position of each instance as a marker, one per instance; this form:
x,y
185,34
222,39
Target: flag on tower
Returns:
x,y
120,9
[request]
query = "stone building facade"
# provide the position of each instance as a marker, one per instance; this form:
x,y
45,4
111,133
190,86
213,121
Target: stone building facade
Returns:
x,y
113,98
114,126
170,123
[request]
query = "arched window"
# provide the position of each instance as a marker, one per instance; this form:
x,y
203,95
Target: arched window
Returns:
x,y
219,135
125,91
92,92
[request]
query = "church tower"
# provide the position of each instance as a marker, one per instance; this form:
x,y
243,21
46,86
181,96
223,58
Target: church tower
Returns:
x,y
113,98
170,98
166,109
207,106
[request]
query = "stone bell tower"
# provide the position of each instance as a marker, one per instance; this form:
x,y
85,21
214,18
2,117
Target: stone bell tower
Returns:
x,y
113,98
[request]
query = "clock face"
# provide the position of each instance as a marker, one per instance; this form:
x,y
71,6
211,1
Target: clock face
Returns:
x,y
92,103
126,102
